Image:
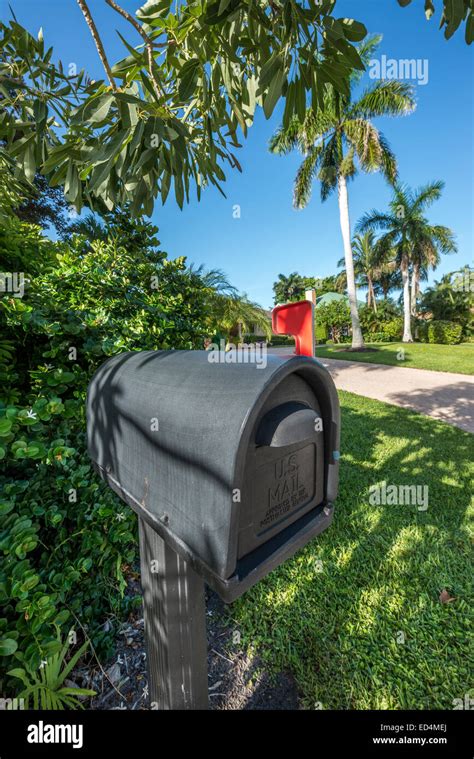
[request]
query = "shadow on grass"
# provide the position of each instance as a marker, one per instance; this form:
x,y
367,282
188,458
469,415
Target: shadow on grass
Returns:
x,y
356,616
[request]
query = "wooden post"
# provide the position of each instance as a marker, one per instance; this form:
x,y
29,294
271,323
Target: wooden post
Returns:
x,y
311,295
175,626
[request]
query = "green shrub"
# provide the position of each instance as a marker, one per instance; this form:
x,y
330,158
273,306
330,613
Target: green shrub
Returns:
x,y
385,331
378,337
393,328
444,332
66,541
335,317
282,340
421,331
371,321
251,338
321,333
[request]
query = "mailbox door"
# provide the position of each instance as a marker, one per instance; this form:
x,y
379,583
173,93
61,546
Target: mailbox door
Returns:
x,y
285,464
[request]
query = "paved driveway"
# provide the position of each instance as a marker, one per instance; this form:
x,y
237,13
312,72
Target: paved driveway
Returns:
x,y
442,395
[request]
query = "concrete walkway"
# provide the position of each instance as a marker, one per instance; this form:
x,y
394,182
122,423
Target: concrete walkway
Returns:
x,y
442,395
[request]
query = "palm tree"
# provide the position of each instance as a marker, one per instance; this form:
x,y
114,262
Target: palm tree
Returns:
x,y
229,311
368,264
331,140
408,233
90,226
289,288
389,277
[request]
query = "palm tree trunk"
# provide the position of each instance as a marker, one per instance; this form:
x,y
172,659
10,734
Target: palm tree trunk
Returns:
x,y
357,339
414,287
407,338
371,300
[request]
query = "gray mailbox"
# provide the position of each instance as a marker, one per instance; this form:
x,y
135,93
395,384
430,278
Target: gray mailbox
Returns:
x,y
231,467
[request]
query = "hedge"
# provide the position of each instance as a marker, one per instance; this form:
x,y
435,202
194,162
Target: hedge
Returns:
x,y
67,542
444,332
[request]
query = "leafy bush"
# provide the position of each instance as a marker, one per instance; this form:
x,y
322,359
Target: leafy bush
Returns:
x,y
335,317
444,332
389,331
66,541
393,329
251,338
321,333
378,337
385,325
450,300
282,340
421,331
371,321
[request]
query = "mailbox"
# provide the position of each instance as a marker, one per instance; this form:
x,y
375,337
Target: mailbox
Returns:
x,y
233,465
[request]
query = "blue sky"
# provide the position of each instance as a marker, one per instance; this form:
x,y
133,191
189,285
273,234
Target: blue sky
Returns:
x,y
270,236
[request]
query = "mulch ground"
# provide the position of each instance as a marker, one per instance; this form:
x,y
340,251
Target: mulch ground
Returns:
x,y
236,680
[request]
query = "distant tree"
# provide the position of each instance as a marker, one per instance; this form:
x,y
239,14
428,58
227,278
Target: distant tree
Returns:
x,y
452,299
410,237
228,312
44,205
89,226
289,288
389,278
131,233
367,262
336,317
332,284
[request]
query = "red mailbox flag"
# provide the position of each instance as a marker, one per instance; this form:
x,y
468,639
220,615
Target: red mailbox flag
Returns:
x,y
296,319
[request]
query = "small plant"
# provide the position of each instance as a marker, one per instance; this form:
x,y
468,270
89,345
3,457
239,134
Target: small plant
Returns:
x,y
45,688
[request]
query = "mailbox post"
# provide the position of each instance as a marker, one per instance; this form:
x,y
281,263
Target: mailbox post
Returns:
x,y
231,468
175,625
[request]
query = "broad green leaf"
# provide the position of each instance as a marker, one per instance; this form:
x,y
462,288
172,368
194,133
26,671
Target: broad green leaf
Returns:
x,y
5,426
274,92
8,646
353,30
97,109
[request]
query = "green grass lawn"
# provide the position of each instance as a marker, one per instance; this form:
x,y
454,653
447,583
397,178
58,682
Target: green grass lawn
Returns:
x,y
337,625
440,358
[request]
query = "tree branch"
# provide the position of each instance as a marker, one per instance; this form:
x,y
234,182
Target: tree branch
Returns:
x,y
149,44
98,42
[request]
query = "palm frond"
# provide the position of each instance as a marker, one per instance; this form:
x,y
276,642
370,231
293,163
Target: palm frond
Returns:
x,y
388,160
364,137
375,220
286,140
329,167
424,196
366,49
305,175
385,98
